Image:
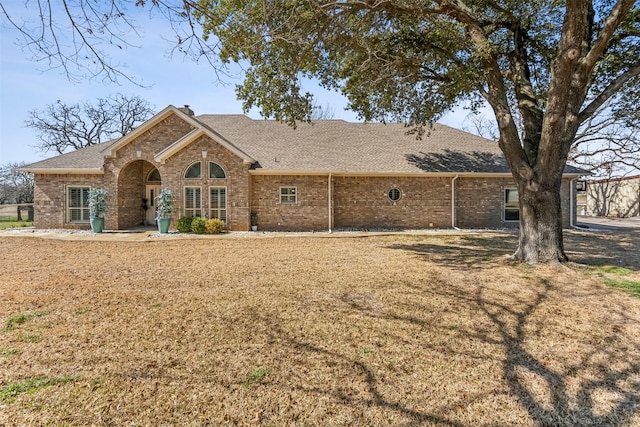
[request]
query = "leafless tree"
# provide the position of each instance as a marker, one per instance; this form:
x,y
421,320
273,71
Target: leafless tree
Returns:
x,y
606,145
323,113
82,38
63,127
15,186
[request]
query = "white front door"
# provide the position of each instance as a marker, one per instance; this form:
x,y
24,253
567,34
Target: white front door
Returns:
x,y
152,193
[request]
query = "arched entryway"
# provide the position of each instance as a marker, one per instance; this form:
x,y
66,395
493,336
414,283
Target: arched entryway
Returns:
x,y
138,185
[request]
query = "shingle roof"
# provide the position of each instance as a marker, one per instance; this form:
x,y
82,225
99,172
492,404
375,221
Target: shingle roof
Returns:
x,y
333,146
89,158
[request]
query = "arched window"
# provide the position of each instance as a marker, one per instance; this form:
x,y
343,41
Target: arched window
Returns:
x,y
154,176
194,171
216,171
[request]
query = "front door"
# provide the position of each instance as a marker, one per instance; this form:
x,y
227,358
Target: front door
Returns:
x,y
152,193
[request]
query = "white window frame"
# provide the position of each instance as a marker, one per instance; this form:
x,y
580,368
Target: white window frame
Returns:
x,y
510,206
83,209
224,172
189,167
220,213
196,210
288,198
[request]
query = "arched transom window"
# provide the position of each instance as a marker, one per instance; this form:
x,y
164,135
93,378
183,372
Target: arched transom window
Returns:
x,y
216,171
154,176
194,171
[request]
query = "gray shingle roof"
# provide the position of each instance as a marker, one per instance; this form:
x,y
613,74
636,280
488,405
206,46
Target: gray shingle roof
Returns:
x,y
333,146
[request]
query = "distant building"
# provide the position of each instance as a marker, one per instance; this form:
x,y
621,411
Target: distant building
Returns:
x,y
618,197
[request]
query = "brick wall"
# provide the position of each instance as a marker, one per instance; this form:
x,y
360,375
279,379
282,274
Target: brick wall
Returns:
x,y
363,202
50,198
308,214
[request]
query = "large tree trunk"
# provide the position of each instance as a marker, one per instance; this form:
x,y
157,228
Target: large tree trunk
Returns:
x,y
540,238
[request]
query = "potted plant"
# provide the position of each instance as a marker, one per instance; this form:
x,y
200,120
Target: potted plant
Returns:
x,y
254,221
97,199
164,209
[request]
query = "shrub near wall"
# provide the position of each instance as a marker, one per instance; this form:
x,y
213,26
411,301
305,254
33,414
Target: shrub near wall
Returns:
x,y
214,226
184,224
198,225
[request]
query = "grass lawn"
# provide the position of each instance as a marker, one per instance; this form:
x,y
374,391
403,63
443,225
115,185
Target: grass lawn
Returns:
x,y
399,330
12,223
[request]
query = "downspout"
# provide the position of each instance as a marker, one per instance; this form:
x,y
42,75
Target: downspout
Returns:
x,y
329,203
453,202
572,200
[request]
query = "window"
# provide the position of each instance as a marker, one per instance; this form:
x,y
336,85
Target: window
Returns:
x,y
194,171
394,194
218,203
154,176
215,171
511,205
192,201
288,195
78,204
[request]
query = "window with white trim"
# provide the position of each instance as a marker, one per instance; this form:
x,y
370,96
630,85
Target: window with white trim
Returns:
x,y
216,171
78,204
511,205
288,195
194,171
218,203
192,201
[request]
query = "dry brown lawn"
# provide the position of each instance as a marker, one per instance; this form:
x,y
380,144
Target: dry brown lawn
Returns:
x,y
397,330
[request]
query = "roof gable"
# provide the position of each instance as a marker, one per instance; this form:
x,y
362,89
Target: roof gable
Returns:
x,y
192,136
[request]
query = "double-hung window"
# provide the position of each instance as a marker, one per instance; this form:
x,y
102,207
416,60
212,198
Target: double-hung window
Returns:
x,y
192,201
78,204
288,195
218,203
511,205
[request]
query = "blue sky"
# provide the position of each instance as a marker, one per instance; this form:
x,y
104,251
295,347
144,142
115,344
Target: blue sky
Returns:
x,y
26,85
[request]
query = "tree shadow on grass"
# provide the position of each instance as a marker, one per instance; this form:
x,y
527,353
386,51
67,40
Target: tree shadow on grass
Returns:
x,y
477,251
468,252
554,391
618,248
569,394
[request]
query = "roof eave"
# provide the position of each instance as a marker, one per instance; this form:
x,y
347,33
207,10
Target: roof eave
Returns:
x,y
63,171
365,173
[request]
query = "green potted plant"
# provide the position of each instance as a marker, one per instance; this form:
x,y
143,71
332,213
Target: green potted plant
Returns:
x,y
254,221
97,199
164,209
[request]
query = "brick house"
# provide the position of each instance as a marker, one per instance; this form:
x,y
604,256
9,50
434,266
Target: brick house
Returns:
x,y
322,176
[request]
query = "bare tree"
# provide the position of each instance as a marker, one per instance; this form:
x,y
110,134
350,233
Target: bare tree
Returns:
x,y
62,127
15,186
323,113
607,145
479,124
82,38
